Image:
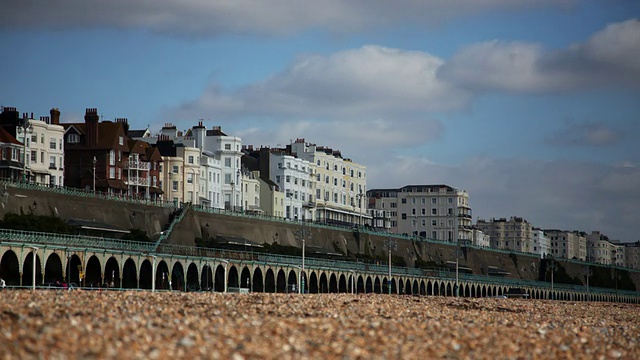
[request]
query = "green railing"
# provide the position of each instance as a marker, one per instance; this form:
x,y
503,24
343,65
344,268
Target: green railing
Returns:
x,y
31,237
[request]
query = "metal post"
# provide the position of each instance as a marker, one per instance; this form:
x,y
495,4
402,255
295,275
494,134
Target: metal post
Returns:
x,y
94,174
153,274
34,250
389,281
303,251
226,264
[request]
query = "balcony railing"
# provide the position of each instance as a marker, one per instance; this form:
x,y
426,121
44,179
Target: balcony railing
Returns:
x,y
133,180
136,165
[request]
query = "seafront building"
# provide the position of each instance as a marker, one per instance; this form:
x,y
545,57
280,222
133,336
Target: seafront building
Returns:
x,y
567,244
438,212
539,242
340,184
512,234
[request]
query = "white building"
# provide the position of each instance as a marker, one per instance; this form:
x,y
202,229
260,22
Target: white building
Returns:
x,y
340,185
480,239
437,212
567,244
539,242
295,178
45,149
210,181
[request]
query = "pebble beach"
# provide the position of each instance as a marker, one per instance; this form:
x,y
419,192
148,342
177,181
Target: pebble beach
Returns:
x,y
51,324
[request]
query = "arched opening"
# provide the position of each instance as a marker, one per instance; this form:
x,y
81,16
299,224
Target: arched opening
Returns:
x,y
130,275
52,269
333,284
93,273
233,279
270,281
323,285
206,277
257,281
10,268
245,278
162,276
281,282
193,281
219,276
377,286
178,278
313,283
112,273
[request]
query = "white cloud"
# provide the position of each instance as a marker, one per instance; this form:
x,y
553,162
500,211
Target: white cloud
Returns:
x,y
211,17
608,57
369,81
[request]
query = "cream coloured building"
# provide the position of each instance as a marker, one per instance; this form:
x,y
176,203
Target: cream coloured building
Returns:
x,y
567,244
340,185
438,212
512,234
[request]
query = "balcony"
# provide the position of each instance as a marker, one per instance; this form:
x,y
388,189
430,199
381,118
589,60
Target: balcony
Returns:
x,y
136,165
309,204
139,181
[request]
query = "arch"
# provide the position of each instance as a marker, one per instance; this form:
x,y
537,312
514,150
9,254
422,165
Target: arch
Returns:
x,y
281,282
93,273
423,288
27,270
206,278
162,276
257,281
360,287
313,283
52,269
449,291
394,289
112,272
130,275
369,285
323,284
10,268
177,277
430,288
146,274
415,290
401,285
407,287
377,286
270,281
245,278
292,279
233,279
333,283
219,279
342,284
193,280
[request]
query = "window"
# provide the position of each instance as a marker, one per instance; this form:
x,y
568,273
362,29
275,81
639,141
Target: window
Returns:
x,y
434,222
71,139
52,143
42,139
190,159
227,178
288,178
120,140
434,200
34,137
34,156
174,185
434,211
112,173
404,216
189,178
278,178
112,158
404,201
227,146
42,157
227,162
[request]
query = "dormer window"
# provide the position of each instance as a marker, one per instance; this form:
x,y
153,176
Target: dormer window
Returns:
x,y
73,138
120,140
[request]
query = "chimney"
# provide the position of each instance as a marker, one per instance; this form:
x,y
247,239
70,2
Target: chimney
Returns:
x,y
55,116
91,119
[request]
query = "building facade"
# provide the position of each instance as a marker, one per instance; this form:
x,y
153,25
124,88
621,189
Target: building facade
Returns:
x,y
539,242
513,234
437,212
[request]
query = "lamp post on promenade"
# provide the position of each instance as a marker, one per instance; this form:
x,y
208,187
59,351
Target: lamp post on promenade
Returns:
x,y
25,128
34,250
94,174
303,233
226,266
390,245
153,274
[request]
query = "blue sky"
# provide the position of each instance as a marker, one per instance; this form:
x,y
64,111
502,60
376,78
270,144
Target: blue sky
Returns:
x,y
530,105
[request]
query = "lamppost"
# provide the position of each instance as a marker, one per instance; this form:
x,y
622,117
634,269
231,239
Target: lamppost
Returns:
x,y
360,196
390,245
353,282
241,183
34,250
25,128
94,174
153,274
233,195
303,235
587,273
226,265
551,266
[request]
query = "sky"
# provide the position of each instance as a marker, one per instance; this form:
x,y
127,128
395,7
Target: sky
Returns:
x,y
531,106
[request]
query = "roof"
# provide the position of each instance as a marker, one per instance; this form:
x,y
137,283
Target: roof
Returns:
x,y
7,138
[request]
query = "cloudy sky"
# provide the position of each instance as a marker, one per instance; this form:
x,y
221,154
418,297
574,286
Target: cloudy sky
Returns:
x,y
532,106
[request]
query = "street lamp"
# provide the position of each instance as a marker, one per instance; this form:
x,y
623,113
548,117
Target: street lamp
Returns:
x,y
226,264
25,128
303,235
153,274
94,174
233,195
241,183
34,250
360,196
390,245
552,266
588,272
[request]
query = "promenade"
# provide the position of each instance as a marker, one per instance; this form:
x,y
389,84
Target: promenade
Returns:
x,y
143,325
